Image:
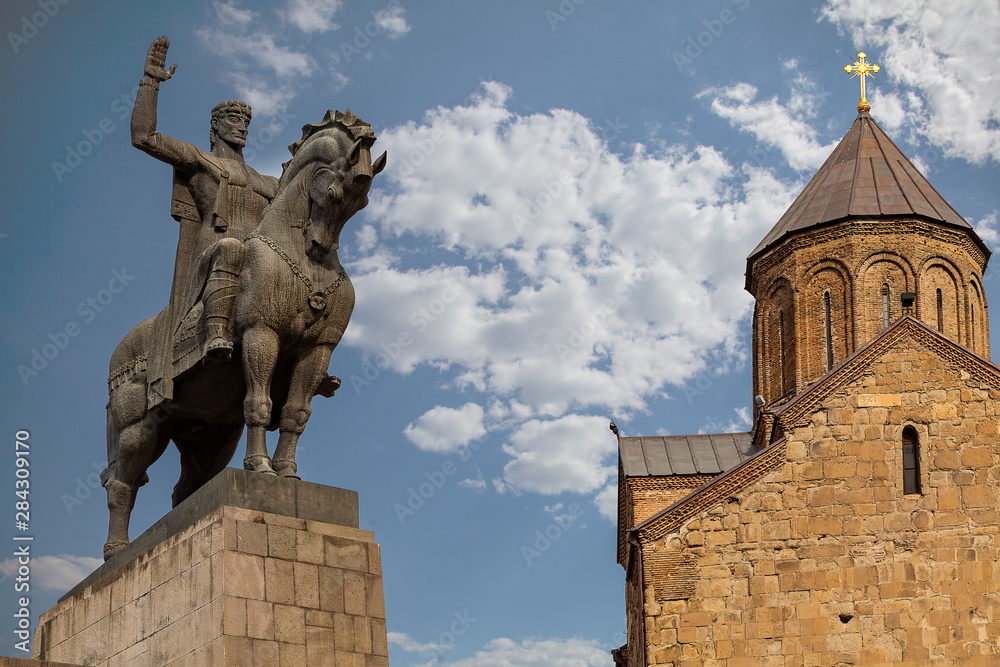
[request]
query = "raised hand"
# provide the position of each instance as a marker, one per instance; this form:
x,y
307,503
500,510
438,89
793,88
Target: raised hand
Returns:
x,y
156,60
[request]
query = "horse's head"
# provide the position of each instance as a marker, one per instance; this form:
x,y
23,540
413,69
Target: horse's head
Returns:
x,y
332,165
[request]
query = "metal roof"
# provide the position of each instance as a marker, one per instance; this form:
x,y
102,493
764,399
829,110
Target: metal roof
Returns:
x,y
661,456
865,176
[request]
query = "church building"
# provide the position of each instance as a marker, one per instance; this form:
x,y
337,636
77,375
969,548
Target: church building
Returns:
x,y
858,522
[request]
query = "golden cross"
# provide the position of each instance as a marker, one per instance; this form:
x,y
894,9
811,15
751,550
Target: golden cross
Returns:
x,y
862,69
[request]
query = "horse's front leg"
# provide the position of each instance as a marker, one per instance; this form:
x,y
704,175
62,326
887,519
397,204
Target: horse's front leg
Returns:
x,y
310,369
260,354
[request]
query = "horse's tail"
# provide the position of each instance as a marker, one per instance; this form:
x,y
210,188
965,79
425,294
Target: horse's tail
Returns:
x,y
107,473
126,382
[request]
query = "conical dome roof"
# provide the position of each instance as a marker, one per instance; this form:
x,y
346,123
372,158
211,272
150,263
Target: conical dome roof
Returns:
x,y
866,176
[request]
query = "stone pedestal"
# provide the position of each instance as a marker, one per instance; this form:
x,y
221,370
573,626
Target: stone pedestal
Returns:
x,y
250,570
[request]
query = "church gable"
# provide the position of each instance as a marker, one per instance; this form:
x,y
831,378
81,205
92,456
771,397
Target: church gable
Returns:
x,y
886,366
656,471
818,547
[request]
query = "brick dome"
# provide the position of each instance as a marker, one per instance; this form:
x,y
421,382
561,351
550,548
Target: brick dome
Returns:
x,y
828,277
866,175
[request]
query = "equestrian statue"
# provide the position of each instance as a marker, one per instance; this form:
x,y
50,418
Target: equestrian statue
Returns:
x,y
258,303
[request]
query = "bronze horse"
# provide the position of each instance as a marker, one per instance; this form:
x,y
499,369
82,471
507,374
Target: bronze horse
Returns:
x,y
295,302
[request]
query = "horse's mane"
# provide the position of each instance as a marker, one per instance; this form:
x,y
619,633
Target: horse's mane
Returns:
x,y
353,125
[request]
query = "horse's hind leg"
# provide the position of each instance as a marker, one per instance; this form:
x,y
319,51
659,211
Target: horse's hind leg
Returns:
x,y
309,371
132,449
204,458
260,354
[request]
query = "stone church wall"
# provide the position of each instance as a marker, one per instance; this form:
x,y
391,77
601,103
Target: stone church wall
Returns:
x,y
826,561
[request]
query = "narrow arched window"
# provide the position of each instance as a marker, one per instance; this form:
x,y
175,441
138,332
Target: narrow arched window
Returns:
x,y
911,461
972,331
885,306
781,345
829,332
940,311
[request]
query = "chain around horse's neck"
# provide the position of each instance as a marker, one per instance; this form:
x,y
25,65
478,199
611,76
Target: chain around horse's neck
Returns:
x,y
280,252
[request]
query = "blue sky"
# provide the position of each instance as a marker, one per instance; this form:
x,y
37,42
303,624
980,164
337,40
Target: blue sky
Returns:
x,y
559,238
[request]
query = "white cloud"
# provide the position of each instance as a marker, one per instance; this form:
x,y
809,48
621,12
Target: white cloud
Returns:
x,y
478,484
239,43
564,517
784,126
393,21
739,424
54,573
891,110
267,60
610,324
569,279
443,429
338,81
564,454
607,502
313,15
264,99
257,65
503,652
942,54
986,227
418,315
231,15
410,645
501,487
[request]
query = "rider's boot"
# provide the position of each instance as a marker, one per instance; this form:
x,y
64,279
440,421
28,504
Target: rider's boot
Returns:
x,y
220,300
220,297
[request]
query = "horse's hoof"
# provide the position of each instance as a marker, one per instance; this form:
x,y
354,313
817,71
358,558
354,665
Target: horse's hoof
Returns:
x,y
261,464
286,469
111,548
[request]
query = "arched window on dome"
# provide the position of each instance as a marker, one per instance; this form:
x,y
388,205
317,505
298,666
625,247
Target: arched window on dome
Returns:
x,y
972,328
782,344
940,311
978,336
829,331
885,305
911,461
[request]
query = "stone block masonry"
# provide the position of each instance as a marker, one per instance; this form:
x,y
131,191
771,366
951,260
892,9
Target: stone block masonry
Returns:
x,y
238,587
24,662
827,560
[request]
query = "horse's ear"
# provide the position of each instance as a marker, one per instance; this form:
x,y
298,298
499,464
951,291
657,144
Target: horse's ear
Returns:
x,y
355,153
378,165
